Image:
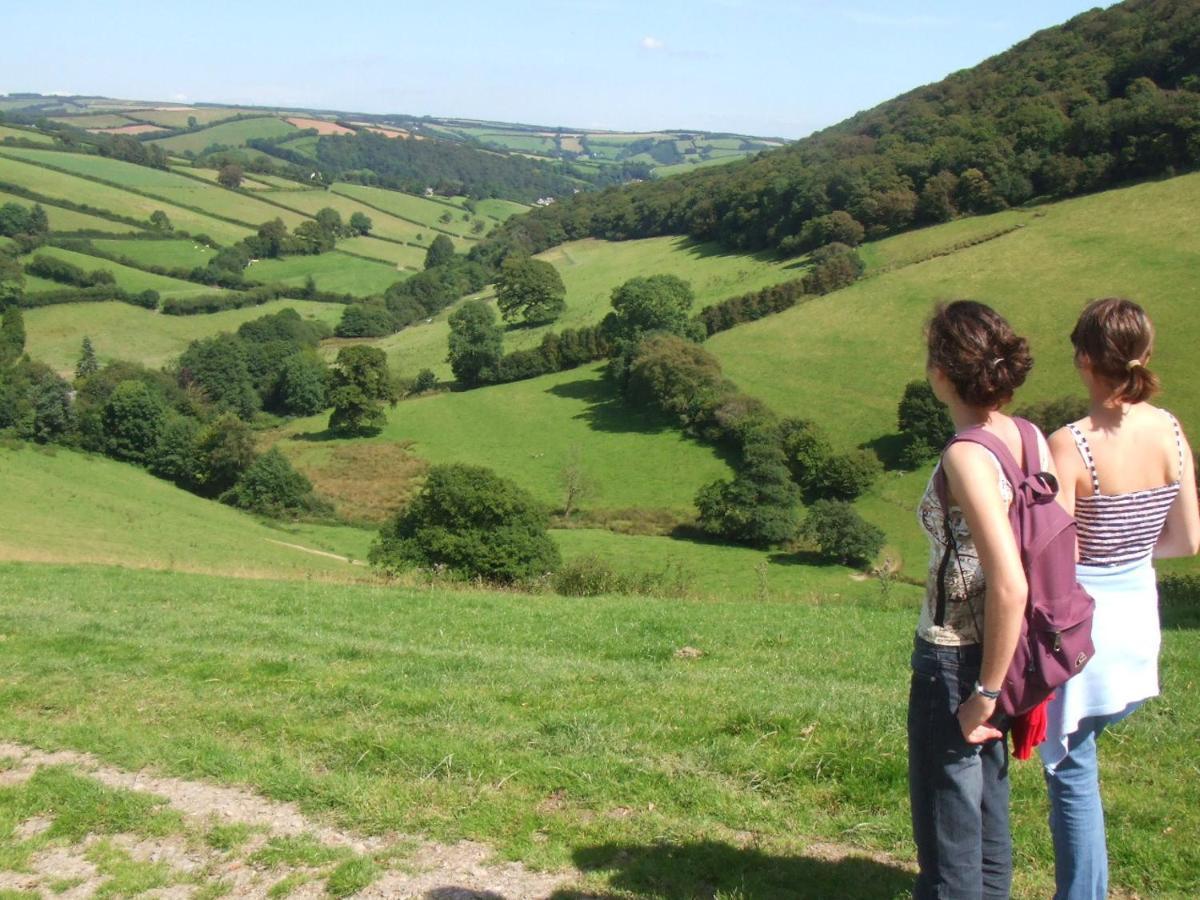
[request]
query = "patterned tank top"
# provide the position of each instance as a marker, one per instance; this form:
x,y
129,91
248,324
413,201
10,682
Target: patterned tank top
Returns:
x,y
1116,529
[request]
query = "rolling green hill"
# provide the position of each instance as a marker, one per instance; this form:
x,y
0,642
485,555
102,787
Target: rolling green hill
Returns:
x,y
229,134
64,507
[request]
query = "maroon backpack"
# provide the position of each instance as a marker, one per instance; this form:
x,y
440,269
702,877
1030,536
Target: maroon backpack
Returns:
x,y
1056,633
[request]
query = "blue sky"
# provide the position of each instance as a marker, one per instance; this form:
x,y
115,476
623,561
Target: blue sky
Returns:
x,y
766,67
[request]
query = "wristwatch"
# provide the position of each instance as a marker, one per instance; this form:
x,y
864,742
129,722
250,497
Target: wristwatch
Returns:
x,y
984,692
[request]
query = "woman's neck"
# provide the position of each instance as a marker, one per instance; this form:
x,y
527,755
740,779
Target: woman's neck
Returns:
x,y
964,416
1105,406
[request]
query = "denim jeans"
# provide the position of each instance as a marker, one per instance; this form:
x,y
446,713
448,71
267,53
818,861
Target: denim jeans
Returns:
x,y
1076,816
959,791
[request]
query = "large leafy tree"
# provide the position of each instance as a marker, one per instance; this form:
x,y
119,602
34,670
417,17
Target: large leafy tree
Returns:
x,y
12,331
476,342
646,304
219,367
359,385
133,420
759,506
440,252
530,289
473,522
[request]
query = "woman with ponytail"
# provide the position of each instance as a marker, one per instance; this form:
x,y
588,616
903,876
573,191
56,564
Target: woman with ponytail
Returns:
x,y
1126,473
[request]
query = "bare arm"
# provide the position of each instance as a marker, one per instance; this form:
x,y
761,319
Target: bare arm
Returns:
x,y
1181,533
1069,466
972,477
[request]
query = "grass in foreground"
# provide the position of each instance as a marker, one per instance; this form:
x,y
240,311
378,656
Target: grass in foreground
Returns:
x,y
560,731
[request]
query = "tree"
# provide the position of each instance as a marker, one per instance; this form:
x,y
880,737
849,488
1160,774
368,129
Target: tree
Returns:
x,y
655,303
39,222
218,366
159,221
12,334
230,175
358,386
758,506
924,422
330,221
440,252
175,456
88,364
273,237
476,342
473,522
224,450
312,239
576,483
425,381
531,289
303,384
848,475
841,534
360,223
12,281
132,422
272,487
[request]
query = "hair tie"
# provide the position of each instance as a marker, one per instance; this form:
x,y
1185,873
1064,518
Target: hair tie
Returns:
x,y
1132,364
997,361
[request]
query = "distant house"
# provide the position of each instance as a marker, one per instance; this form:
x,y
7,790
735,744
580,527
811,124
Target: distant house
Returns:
x,y
543,201
428,192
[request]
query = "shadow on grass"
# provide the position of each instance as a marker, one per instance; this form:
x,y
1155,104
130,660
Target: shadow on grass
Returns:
x,y
711,249
606,411
888,447
807,558
706,868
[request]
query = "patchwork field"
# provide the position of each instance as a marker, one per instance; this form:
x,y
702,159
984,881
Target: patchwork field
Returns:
x,y
229,134
382,224
68,220
419,210
122,331
183,254
177,117
169,186
127,278
83,191
24,134
403,256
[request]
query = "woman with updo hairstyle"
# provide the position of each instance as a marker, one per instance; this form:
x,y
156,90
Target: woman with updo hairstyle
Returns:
x,y
971,616
1127,476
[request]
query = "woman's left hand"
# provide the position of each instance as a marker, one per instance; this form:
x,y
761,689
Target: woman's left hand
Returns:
x,y
973,718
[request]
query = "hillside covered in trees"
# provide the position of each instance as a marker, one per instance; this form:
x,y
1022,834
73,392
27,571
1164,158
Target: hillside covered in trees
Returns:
x,y
1110,96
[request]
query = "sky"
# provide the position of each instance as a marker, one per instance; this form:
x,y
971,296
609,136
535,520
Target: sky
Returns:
x,y
763,67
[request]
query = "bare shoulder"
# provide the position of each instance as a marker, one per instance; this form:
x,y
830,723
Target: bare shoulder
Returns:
x,y
966,458
1062,444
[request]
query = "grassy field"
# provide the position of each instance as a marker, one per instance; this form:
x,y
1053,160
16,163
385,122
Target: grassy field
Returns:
x,y
843,359
24,134
400,255
183,254
590,269
169,186
526,431
229,134
94,120
499,209
419,210
178,118
128,278
80,190
122,331
68,220
559,731
310,202
331,272
62,506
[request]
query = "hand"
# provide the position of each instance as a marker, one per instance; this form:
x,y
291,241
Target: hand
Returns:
x,y
973,718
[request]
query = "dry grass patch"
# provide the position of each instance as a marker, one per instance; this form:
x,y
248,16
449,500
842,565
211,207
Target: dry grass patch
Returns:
x,y
367,482
321,125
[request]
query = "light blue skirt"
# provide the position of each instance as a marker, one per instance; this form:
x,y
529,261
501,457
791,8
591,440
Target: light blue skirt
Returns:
x,y
1124,669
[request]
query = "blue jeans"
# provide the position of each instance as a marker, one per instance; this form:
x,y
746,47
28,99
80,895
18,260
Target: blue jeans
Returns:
x,y
1076,815
959,791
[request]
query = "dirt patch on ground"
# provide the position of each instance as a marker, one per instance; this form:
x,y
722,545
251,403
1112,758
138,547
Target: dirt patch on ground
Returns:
x,y
413,868
367,482
321,125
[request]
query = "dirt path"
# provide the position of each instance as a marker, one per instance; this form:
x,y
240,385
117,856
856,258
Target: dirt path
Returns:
x,y
325,553
422,869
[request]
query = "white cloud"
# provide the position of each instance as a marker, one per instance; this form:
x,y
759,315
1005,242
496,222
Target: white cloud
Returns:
x,y
179,98
652,43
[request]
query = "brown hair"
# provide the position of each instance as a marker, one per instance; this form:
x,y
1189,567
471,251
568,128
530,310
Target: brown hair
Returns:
x,y
1116,337
978,351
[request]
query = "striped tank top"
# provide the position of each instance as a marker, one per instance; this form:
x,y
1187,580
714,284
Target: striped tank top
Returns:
x,y
1115,529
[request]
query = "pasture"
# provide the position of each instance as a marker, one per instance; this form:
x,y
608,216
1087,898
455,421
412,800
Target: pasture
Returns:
x,y
382,224
122,331
227,134
177,117
25,134
418,210
59,185
527,431
169,186
403,256
59,506
172,254
127,277
331,271
561,732
68,220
